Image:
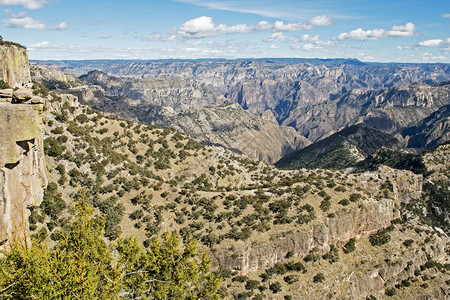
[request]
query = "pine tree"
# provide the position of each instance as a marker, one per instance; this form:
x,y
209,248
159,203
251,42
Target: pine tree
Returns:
x,y
83,266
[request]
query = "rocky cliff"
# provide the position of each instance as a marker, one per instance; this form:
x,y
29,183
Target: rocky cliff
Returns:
x,y
22,165
14,66
22,173
390,110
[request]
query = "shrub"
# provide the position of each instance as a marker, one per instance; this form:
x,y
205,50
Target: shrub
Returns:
x,y
379,238
4,85
275,287
52,147
319,277
350,246
355,197
325,205
344,202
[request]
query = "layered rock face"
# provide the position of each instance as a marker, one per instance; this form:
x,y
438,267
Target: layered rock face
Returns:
x,y
353,223
14,66
390,110
22,165
22,172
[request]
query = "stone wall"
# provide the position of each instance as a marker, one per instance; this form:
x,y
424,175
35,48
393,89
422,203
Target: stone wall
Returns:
x,y
22,165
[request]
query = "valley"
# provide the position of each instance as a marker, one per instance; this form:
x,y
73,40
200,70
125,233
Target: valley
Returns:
x,y
359,211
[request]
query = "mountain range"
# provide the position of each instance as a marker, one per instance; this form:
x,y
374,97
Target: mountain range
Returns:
x,y
364,214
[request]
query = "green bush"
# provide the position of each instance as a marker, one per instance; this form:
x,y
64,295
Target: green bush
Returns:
x,y
4,85
275,287
52,147
379,238
350,246
319,277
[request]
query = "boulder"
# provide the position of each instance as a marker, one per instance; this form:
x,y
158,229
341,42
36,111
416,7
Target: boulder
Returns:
x,y
23,94
6,93
37,100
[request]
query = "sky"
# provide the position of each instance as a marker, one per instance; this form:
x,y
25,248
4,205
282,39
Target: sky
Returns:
x,y
373,31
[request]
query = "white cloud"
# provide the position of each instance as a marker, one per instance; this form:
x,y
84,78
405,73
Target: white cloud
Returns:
x,y
61,26
431,43
43,44
280,37
204,26
105,36
403,47
446,15
408,29
23,22
274,47
321,21
30,4
363,35
281,26
434,43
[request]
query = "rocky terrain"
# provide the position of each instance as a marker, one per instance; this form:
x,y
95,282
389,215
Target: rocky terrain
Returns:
x,y
185,105
315,97
23,173
292,234
390,110
259,85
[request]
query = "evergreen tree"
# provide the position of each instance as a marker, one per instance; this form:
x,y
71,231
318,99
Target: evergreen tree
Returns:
x,y
83,266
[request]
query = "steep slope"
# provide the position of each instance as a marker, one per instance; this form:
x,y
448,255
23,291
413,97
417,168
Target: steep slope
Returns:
x,y
431,131
340,150
193,109
261,225
390,110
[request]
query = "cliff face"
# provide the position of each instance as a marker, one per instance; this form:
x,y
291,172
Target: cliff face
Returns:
x,y
14,66
22,172
22,164
348,223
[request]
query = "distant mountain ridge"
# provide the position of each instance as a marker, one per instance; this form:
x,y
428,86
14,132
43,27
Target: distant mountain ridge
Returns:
x,y
259,85
316,97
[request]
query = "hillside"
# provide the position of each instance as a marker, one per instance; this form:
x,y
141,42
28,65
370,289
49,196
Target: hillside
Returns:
x,y
187,106
270,233
340,150
263,227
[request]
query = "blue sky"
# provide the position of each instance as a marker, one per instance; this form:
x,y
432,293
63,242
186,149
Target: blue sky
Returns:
x,y
383,31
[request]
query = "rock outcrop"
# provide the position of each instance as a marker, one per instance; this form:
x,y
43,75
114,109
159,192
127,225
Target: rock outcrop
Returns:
x,y
22,172
22,165
14,66
346,224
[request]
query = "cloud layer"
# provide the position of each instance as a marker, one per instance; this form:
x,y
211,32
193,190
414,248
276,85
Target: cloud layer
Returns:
x,y
30,4
204,26
359,34
23,21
